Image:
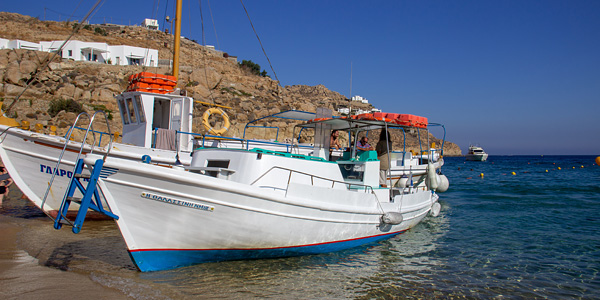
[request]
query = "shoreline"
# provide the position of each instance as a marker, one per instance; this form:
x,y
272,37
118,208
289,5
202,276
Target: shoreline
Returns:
x,y
22,275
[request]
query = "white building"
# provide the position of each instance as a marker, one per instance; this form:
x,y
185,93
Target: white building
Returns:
x,y
3,43
150,24
128,55
344,110
91,52
79,51
18,44
361,99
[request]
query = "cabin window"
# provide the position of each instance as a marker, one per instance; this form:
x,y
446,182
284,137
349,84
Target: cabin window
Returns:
x,y
70,53
123,110
140,109
352,171
176,108
131,110
216,164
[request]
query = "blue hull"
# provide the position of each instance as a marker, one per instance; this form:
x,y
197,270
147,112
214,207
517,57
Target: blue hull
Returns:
x,y
157,260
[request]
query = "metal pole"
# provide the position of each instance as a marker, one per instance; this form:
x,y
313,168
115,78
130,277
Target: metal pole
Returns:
x,y
177,40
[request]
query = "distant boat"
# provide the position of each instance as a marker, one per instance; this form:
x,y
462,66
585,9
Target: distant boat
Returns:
x,y
476,153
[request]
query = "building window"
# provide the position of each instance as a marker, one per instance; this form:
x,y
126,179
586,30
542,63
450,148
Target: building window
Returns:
x,y
70,53
95,57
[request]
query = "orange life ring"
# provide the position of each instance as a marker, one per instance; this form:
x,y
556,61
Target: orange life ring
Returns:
x,y
215,110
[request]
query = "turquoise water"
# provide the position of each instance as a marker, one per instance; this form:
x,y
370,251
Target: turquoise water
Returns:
x,y
535,234
532,234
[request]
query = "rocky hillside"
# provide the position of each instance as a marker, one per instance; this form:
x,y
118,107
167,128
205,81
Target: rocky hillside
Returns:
x,y
206,75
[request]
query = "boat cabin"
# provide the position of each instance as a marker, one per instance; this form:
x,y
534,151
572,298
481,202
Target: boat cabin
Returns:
x,y
152,120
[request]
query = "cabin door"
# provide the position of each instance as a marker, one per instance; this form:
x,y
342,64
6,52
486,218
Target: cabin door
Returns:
x,y
161,113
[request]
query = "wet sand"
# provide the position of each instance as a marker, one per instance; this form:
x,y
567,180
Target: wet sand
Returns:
x,y
23,277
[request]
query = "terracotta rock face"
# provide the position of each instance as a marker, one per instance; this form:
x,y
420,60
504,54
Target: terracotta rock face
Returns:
x,y
205,74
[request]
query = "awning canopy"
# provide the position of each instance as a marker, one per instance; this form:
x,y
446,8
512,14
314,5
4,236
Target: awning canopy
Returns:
x,y
290,115
135,56
94,49
294,115
349,123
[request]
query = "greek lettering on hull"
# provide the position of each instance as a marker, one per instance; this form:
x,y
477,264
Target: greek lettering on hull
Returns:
x,y
177,202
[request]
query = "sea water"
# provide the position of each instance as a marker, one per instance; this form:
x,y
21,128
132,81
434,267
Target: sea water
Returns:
x,y
534,233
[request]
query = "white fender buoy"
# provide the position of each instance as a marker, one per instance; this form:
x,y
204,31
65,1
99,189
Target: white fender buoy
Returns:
x,y
435,209
431,180
393,218
443,183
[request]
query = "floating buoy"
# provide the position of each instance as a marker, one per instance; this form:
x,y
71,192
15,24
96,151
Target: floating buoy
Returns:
x,y
582,166
513,173
573,167
546,171
481,175
598,160
559,168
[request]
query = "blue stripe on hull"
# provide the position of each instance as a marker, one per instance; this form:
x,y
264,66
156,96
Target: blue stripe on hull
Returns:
x,y
156,260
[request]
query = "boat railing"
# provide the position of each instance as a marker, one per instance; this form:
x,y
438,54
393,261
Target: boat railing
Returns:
x,y
102,133
255,126
443,137
80,151
204,140
349,185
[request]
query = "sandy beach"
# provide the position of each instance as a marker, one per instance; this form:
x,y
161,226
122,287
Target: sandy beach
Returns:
x,y
23,276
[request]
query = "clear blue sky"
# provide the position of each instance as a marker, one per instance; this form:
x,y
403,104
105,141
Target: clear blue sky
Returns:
x,y
515,76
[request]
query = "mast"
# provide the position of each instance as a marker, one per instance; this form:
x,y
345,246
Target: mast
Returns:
x,y
177,40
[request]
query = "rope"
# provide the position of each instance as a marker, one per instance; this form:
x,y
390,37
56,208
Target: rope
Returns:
x,y
73,13
165,16
32,79
214,27
261,45
204,53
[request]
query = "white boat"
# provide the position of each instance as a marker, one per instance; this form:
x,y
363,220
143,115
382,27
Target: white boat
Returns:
x,y
32,158
476,153
232,204
157,127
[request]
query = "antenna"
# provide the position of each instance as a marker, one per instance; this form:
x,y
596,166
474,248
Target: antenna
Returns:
x,y
350,96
